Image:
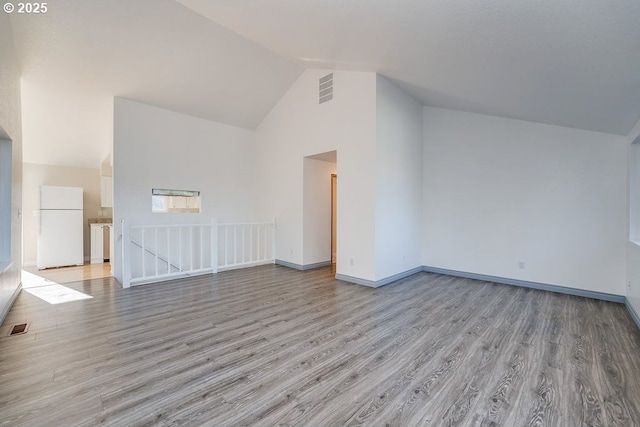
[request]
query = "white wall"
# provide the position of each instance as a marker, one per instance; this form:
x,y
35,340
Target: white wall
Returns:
x,y
298,126
633,275
633,248
634,191
6,187
398,180
317,211
64,125
11,128
34,176
499,191
156,148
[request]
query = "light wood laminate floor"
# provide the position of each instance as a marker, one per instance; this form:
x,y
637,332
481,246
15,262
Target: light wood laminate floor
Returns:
x,y
72,274
274,346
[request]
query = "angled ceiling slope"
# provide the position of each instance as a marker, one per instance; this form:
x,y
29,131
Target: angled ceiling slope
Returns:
x,y
153,51
567,63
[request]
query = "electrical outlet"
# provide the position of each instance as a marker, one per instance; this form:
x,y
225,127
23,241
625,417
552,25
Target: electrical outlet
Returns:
x,y
629,285
521,265
291,251
351,261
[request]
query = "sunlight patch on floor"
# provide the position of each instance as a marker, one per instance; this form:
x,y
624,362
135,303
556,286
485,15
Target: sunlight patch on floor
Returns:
x,y
49,291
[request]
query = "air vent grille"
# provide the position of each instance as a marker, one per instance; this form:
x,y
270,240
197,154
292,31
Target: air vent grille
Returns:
x,y
19,329
326,88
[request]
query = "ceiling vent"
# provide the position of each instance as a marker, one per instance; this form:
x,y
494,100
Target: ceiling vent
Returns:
x,y
326,88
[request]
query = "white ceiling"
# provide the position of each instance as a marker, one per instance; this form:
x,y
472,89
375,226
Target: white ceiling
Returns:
x,y
572,63
80,54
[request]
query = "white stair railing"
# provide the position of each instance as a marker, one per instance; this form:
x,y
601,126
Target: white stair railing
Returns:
x,y
245,244
153,253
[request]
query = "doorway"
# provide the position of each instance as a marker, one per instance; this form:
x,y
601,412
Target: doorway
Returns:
x,y
319,242
334,219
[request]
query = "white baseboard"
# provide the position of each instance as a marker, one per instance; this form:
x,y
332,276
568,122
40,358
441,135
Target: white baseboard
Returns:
x,y
5,310
380,282
526,284
632,311
301,266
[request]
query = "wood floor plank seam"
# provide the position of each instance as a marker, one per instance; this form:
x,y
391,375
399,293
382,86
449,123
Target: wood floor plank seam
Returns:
x,y
273,346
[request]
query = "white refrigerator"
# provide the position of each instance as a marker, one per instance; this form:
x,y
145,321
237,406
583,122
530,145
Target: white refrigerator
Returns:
x,y
60,237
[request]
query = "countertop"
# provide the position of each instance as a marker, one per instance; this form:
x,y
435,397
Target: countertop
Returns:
x,y
101,220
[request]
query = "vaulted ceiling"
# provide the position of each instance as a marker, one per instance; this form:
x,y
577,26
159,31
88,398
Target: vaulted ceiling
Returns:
x,y
80,54
572,63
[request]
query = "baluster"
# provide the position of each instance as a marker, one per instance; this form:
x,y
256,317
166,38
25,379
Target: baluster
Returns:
x,y
259,243
191,248
251,243
157,248
144,250
126,253
273,240
201,247
168,250
226,245
243,227
214,245
235,228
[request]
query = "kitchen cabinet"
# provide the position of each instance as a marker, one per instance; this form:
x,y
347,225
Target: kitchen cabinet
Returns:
x,y
98,252
106,191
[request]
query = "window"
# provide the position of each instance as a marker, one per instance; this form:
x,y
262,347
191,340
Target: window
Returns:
x,y
175,201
